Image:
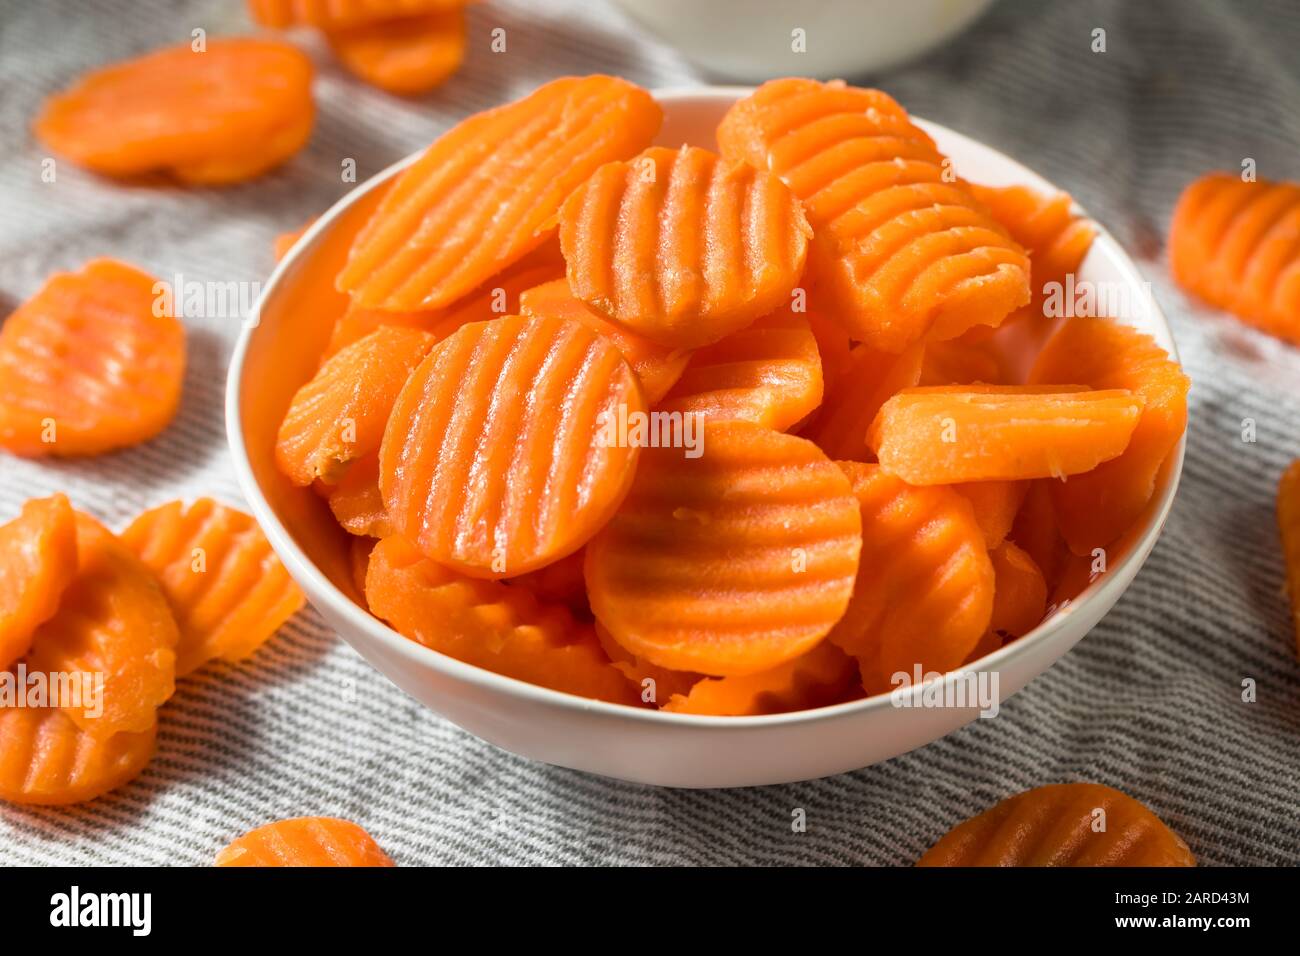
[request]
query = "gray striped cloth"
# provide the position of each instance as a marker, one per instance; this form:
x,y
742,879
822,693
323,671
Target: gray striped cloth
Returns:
x,y
1150,702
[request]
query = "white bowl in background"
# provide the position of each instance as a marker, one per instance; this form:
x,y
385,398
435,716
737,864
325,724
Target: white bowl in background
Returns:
x,y
280,350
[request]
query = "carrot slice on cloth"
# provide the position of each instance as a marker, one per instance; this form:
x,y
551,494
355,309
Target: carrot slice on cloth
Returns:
x,y
305,841
38,560
730,562
1288,520
823,675
405,56
1020,591
341,13
840,426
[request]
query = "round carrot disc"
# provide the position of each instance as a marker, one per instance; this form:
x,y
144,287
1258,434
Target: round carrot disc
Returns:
x,y
38,560
87,365
505,450
305,841
729,562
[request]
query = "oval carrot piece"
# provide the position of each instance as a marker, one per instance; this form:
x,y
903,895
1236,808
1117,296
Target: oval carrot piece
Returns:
x,y
496,626
1064,824
226,112
681,246
87,365
1020,592
925,585
113,622
339,416
1094,509
824,675
731,562
305,841
340,13
946,434
995,504
871,378
1288,522
902,251
407,55
47,760
656,685
38,560
357,503
504,452
226,587
488,190
769,373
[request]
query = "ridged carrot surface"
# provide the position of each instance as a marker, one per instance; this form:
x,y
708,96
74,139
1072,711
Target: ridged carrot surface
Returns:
x,y
1288,521
490,624
47,760
902,250
995,504
1020,592
1233,244
1066,824
287,240
38,560
667,683
86,366
505,449
113,620
339,416
824,675
946,434
226,587
1094,509
769,373
357,502
305,841
487,191
405,56
1056,239
729,563
341,13
681,246
840,426
224,113
1035,530
657,367
924,590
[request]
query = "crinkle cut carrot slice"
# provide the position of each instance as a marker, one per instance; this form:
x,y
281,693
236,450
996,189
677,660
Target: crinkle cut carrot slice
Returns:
x,y
657,367
902,251
731,562
1046,225
488,190
656,685
924,591
872,377
339,416
86,365
229,109
489,624
1233,244
824,675
1094,509
47,760
341,13
305,841
1020,592
995,504
226,587
38,560
113,623
946,434
1288,520
769,373
357,502
405,56
1056,825
681,246
506,449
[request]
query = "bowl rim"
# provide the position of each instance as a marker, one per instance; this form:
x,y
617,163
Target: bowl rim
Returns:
x,y
1111,586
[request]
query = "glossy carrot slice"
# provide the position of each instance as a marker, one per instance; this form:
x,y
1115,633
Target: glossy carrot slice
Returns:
x,y
113,623
487,191
341,13
47,760
656,685
226,587
405,56
357,502
38,560
1066,824
995,504
1288,521
1020,592
941,435
287,240
1233,244
769,373
902,251
505,450
339,416
87,365
731,562
214,115
681,246
924,591
489,624
1096,508
824,675
852,402
657,367
305,841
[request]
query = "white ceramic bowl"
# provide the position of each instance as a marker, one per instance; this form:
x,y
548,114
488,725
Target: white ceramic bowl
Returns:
x,y
753,40
281,350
